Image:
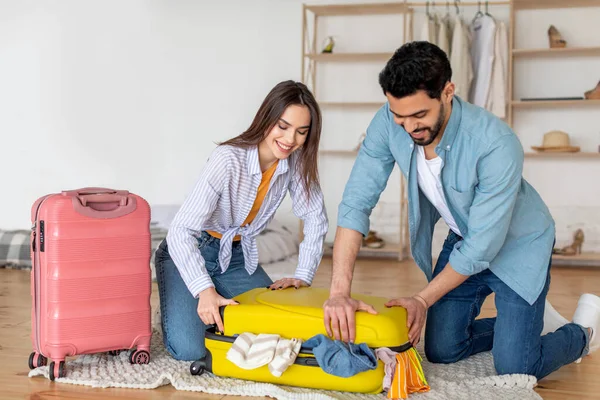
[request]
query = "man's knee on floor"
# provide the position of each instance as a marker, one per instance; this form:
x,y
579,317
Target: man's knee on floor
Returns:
x,y
440,353
512,365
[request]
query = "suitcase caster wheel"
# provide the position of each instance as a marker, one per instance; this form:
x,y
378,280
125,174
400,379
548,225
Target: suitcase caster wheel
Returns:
x,y
114,352
56,371
139,357
37,360
197,367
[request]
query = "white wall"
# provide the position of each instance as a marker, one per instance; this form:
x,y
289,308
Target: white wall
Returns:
x,y
133,94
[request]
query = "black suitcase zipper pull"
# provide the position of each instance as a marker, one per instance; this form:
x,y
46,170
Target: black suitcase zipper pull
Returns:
x,y
42,247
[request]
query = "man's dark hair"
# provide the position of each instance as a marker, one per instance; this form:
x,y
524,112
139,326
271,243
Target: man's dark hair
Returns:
x,y
416,66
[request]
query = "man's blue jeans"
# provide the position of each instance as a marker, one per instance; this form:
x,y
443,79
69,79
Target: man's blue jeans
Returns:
x,y
452,333
183,330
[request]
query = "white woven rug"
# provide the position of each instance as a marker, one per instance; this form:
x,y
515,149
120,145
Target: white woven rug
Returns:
x,y
473,378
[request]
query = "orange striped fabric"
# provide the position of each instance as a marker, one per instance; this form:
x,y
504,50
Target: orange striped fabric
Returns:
x,y
408,377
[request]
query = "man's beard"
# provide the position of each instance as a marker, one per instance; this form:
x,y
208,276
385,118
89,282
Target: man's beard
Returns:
x,y
434,132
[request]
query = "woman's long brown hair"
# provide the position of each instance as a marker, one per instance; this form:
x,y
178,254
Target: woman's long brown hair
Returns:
x,y
283,95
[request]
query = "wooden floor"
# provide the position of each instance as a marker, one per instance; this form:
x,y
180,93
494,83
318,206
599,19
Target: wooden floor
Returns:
x,y
377,277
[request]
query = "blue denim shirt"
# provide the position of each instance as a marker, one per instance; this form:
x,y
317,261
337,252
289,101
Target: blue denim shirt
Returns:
x,y
338,358
505,224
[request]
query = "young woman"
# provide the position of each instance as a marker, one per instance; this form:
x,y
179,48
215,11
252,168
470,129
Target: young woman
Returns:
x,y
210,253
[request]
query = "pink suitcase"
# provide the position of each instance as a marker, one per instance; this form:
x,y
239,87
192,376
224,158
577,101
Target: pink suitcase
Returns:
x,y
91,278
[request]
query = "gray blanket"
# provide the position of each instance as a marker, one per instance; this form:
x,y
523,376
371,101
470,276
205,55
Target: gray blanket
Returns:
x,y
15,247
275,243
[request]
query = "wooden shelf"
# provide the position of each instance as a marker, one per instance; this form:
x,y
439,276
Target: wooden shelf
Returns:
x,y
357,9
527,154
349,57
545,4
557,52
581,260
339,152
390,250
351,104
554,103
562,155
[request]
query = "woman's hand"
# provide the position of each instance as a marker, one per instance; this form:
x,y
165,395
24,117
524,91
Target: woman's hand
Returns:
x,y
209,302
287,282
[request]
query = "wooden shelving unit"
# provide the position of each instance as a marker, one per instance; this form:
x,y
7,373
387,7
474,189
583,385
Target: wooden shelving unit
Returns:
x,y
310,54
517,5
353,153
580,260
574,51
349,57
351,104
554,103
312,57
546,4
331,10
348,153
589,258
563,155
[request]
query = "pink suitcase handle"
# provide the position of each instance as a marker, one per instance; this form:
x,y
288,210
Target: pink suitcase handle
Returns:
x,y
102,198
101,202
94,190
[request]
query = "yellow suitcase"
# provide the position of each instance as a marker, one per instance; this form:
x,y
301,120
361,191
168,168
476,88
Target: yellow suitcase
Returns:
x,y
292,313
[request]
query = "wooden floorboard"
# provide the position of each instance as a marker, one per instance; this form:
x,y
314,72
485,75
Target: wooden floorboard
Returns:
x,y
376,277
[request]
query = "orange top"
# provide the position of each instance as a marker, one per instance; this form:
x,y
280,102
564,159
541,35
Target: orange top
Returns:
x,y
263,188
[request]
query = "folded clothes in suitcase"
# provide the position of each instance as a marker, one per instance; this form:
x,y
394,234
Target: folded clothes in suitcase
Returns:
x,y
91,277
292,313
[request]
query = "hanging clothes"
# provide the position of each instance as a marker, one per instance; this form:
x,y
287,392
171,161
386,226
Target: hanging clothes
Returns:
x,y
444,36
478,55
483,32
460,58
436,28
428,30
497,98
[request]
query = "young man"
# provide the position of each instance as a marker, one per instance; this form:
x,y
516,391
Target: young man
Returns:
x,y
464,165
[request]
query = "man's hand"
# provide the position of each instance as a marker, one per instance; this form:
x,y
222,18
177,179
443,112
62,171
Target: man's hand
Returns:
x,y
416,309
209,302
287,282
339,316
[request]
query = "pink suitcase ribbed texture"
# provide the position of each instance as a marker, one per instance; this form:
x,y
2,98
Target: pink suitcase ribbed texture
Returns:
x,y
91,278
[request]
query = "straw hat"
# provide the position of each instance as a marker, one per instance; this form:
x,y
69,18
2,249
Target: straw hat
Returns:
x,y
556,141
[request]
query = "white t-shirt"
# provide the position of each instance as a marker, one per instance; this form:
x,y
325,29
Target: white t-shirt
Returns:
x,y
430,182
